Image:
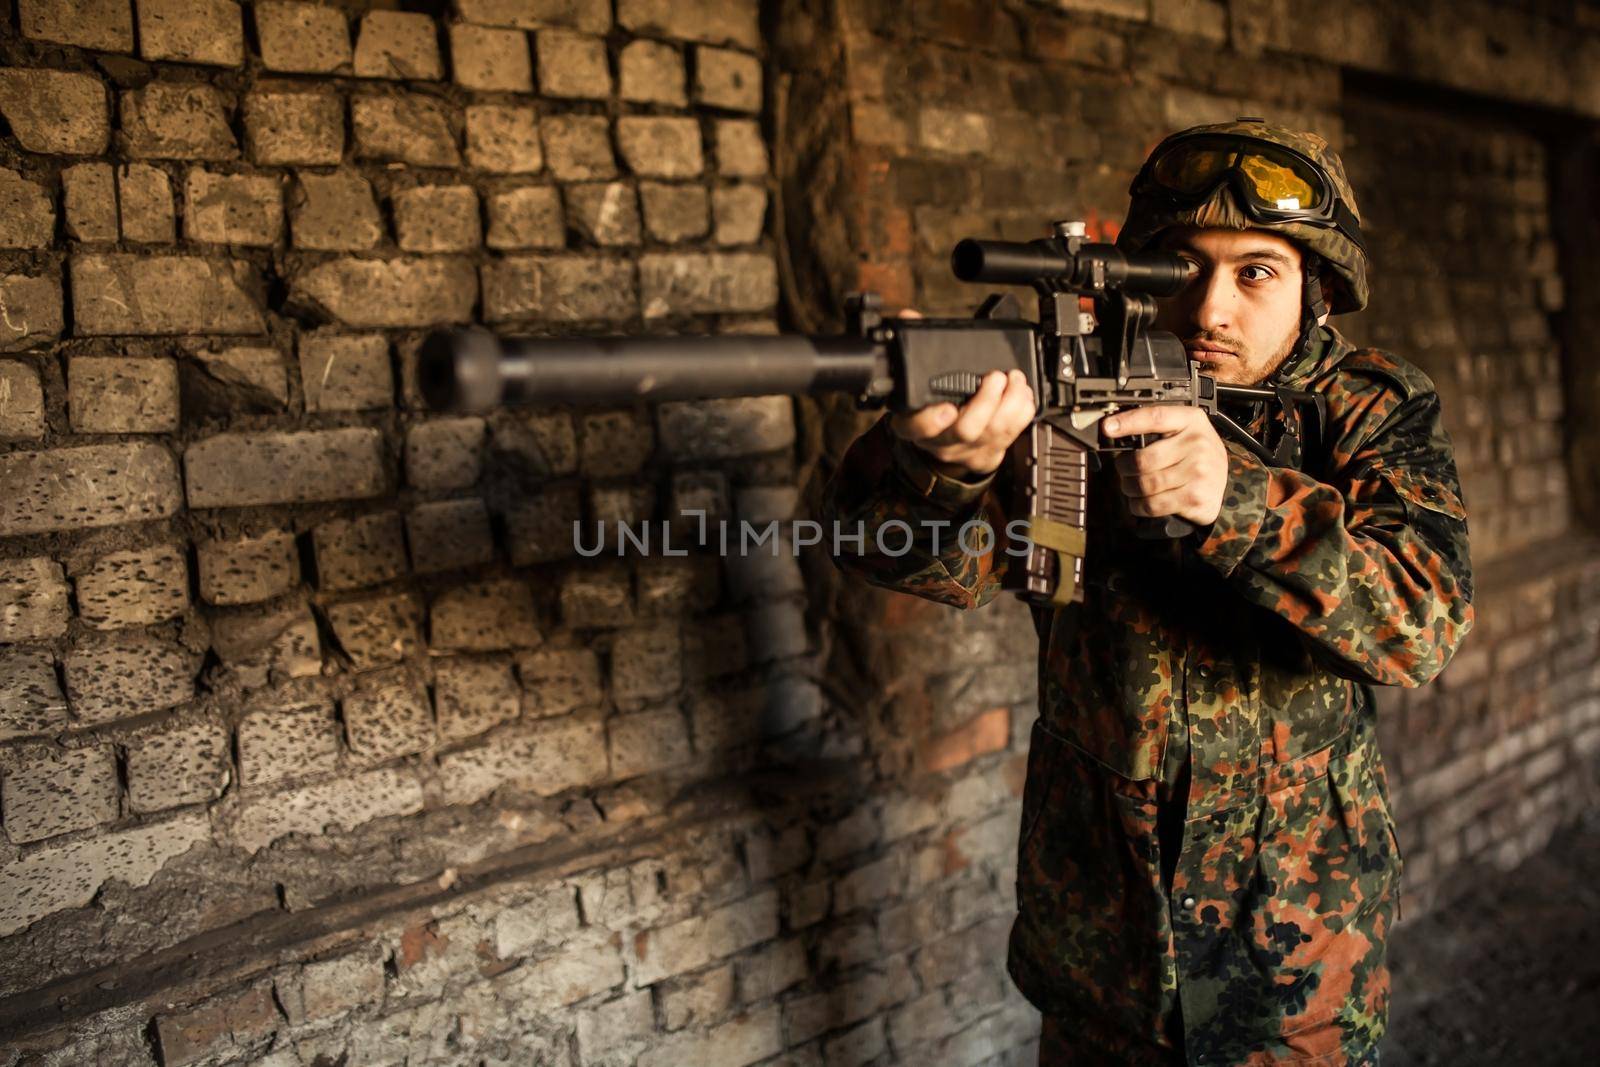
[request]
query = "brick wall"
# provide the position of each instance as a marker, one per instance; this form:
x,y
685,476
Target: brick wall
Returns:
x,y
317,736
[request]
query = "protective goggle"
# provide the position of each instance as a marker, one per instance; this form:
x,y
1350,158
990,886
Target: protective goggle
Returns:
x,y
1272,183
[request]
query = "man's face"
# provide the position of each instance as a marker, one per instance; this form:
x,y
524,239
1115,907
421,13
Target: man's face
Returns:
x,y
1240,316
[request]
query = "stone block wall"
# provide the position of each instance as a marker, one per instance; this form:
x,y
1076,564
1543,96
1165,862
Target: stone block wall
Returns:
x,y
318,738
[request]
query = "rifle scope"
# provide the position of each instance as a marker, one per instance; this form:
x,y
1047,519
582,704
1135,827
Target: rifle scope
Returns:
x,y
1092,268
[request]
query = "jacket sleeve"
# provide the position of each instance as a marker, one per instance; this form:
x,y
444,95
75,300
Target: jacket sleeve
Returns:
x,y
1373,567
897,523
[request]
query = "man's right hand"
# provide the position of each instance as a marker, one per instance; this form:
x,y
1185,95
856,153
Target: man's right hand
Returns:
x,y
970,442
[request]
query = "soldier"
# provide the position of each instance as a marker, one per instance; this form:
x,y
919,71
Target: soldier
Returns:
x,y
1207,868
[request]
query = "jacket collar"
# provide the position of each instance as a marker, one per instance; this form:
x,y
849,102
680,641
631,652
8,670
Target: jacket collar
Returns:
x,y
1328,346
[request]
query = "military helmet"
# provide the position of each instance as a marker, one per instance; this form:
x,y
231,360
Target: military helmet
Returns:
x,y
1246,174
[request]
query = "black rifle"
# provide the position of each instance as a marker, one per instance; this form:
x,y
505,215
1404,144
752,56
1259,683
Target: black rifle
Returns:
x,y
1081,367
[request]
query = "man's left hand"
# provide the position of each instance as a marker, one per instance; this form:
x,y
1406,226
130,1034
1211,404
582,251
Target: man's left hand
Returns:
x,y
1183,474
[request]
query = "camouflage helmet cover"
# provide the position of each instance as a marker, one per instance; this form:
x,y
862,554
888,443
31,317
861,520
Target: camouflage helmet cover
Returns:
x,y
1147,218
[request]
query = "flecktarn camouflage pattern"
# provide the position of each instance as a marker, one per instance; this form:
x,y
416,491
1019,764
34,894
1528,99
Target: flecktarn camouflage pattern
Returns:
x,y
1248,647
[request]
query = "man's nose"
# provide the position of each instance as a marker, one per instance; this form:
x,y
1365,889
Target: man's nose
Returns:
x,y
1214,298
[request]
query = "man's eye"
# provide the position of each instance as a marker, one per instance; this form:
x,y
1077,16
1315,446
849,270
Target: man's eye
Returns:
x,y
1263,276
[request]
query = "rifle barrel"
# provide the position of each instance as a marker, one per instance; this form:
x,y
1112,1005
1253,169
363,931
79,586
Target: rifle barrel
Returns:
x,y
473,370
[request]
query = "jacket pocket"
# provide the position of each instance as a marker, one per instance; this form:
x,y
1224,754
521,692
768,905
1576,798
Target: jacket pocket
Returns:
x,y
1092,929
1323,897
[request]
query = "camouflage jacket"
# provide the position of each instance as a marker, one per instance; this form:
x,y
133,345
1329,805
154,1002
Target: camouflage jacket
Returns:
x,y
1236,660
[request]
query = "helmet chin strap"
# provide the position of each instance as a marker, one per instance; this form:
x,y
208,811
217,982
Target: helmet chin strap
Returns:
x,y
1312,308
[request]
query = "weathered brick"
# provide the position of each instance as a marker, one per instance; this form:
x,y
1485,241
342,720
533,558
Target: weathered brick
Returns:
x,y
21,401
661,146
648,741
596,597
27,218
448,535
437,218
33,599
539,527
49,880
328,988
248,570
616,512
258,376
419,291
118,676
166,120
559,680
377,630
397,44
546,757
492,60
384,722
727,79
56,111
741,153
473,695
621,1028
741,213
699,500
33,311
241,469
700,999
529,217
282,128
96,485
104,25
303,38
89,193
118,293
134,586
111,394
352,553
604,213
236,209
409,128
30,695
772,969
578,147
484,617
670,587
445,453
144,198
215,1028
504,138
675,212
544,922
586,967
733,22
344,804
572,65
192,31
592,16
646,664
682,283
614,443
652,73
334,213
345,372
287,740
263,645
539,444
954,132
178,763
559,288
696,941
